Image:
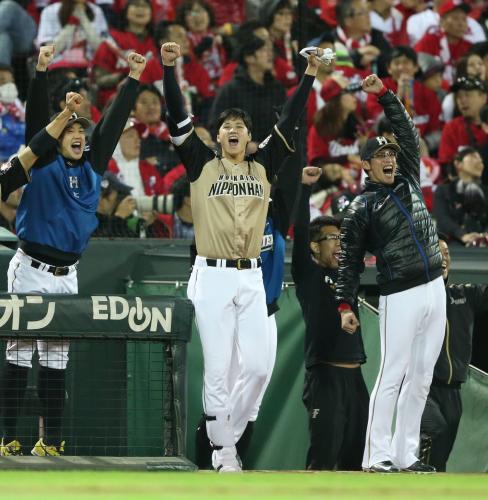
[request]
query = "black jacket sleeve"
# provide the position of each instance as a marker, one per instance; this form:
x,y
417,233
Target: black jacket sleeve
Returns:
x,y
407,137
12,176
301,257
37,106
354,230
478,297
442,213
109,129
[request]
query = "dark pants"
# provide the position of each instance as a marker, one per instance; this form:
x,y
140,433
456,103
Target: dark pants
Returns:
x,y
439,425
337,403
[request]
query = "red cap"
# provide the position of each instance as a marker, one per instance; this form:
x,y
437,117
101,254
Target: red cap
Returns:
x,y
330,89
450,5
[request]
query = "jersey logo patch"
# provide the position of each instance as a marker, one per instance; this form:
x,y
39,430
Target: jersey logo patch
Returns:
x,y
237,185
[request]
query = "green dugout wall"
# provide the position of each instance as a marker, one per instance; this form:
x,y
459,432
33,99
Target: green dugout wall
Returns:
x,y
280,438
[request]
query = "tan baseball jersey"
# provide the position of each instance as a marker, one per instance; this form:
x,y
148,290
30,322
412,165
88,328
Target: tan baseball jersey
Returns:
x,y
230,201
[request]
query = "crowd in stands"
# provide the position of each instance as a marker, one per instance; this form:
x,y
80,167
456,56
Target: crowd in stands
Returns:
x,y
433,55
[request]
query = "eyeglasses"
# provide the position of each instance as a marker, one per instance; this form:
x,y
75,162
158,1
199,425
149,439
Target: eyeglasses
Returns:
x,y
329,237
385,154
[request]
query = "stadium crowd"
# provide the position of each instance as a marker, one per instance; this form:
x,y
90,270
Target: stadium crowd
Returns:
x,y
433,55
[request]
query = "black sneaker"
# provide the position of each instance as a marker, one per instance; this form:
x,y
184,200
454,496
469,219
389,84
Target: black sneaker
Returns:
x,y
419,467
385,467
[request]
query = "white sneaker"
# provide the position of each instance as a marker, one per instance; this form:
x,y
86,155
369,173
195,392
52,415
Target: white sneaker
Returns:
x,y
226,460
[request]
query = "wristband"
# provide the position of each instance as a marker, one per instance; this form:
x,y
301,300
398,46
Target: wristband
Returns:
x,y
382,92
42,143
344,306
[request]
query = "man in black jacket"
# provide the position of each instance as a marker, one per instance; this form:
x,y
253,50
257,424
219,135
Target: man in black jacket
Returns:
x,y
443,410
390,220
335,394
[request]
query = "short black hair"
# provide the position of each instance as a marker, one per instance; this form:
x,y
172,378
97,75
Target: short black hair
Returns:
x,y
315,227
235,113
443,236
403,50
480,48
149,87
248,48
484,114
180,189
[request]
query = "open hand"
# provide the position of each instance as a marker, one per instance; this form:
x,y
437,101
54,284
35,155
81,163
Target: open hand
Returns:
x,y
310,175
170,51
46,55
349,322
136,63
372,84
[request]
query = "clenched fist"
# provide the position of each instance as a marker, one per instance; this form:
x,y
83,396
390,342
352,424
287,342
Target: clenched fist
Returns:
x,y
310,175
74,101
372,84
349,322
46,55
136,63
170,51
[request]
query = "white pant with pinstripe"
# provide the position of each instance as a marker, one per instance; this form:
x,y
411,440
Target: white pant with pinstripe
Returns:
x,y
412,325
23,278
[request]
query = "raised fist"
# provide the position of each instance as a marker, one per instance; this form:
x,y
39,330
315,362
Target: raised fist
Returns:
x,y
310,175
170,51
372,84
136,63
46,55
74,101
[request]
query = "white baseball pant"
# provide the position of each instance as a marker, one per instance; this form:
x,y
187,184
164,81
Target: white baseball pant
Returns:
x,y
230,310
23,278
237,383
412,325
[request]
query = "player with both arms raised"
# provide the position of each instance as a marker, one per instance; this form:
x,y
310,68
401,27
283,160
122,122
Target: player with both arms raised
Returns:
x,y
55,219
229,196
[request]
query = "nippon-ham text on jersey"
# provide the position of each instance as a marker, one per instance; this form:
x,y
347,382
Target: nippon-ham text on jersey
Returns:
x,y
237,185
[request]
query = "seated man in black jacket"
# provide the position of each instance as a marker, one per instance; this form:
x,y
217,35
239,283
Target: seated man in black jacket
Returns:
x,y
443,410
390,220
461,206
335,394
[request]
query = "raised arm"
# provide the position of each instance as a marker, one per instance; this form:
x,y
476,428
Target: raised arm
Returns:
x,y
16,173
354,229
109,129
403,127
37,107
191,149
301,258
295,105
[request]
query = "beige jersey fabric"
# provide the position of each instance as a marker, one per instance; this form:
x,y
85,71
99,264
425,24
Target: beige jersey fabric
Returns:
x,y
229,205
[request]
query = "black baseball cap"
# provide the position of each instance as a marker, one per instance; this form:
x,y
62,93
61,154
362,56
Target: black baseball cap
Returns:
x,y
467,83
375,144
112,182
84,122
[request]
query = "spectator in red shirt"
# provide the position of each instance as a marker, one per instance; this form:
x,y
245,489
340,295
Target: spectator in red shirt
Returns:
x,y
335,137
110,62
448,41
464,130
421,103
283,71
228,12
196,86
386,18
198,18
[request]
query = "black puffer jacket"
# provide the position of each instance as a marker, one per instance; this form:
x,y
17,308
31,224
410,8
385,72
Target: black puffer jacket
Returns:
x,y
391,222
